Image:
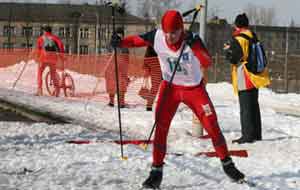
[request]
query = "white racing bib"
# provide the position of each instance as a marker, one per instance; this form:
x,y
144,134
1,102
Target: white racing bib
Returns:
x,y
188,72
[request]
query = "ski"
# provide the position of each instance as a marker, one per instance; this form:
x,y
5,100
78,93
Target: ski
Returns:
x,y
124,142
24,171
246,182
144,188
239,153
241,181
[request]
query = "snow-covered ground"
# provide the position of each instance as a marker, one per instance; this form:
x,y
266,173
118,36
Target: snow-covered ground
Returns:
x,y
37,157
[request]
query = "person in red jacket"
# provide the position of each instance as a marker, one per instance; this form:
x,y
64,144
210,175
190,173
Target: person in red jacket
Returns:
x,y
49,49
152,70
187,87
110,78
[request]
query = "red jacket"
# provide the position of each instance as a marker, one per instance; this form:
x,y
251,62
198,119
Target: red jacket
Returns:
x,y
52,56
147,39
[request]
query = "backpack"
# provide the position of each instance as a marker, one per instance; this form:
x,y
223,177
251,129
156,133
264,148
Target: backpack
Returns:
x,y
257,60
50,44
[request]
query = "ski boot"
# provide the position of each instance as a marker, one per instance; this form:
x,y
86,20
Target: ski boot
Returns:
x,y
231,171
155,178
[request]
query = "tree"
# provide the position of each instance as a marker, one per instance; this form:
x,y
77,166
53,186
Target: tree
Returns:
x,y
260,15
156,8
292,23
65,1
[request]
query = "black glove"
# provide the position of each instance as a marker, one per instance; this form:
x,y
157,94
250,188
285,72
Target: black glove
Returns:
x,y
189,37
115,40
227,51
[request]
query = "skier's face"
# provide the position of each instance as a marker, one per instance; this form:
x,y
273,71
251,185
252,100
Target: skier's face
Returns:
x,y
173,37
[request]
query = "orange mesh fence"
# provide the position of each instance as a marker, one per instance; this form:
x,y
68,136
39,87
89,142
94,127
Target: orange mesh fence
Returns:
x,y
12,56
92,76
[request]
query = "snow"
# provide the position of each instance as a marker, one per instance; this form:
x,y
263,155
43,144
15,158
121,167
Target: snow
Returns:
x,y
35,156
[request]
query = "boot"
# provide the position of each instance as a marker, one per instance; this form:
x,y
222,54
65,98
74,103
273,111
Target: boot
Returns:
x,y
155,178
110,104
231,171
149,105
111,100
241,140
39,92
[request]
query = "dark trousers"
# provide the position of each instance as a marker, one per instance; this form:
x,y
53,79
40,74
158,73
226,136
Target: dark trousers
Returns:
x,y
250,114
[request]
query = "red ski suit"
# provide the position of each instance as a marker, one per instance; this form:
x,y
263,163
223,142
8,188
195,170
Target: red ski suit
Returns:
x,y
48,58
194,96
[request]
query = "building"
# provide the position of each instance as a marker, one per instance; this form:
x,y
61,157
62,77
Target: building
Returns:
x,y
84,29
276,40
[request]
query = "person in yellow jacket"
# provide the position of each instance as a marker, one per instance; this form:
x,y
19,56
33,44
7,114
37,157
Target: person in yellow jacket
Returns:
x,y
246,83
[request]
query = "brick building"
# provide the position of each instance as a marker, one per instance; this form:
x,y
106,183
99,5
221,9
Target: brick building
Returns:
x,y
275,39
84,29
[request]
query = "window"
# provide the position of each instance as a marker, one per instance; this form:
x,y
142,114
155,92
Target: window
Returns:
x,y
68,32
279,35
67,48
292,36
61,32
9,30
8,45
36,31
24,45
298,36
283,44
84,33
84,49
41,31
298,43
27,31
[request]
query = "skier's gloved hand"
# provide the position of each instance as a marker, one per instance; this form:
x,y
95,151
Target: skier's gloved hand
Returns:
x,y
228,52
115,40
189,37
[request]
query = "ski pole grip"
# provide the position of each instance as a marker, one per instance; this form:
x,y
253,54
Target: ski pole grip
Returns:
x,y
197,8
144,146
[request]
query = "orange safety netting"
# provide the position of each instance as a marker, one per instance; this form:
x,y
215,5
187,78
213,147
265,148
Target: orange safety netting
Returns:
x,y
93,76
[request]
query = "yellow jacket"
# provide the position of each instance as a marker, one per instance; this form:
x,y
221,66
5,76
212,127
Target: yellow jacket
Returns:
x,y
242,79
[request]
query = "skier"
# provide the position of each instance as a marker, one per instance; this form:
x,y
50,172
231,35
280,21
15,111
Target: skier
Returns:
x,y
187,87
49,48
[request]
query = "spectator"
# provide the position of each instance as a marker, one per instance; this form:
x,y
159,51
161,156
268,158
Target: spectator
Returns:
x,y
245,83
152,69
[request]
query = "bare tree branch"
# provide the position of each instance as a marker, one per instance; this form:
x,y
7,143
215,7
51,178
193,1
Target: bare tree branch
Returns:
x,y
260,15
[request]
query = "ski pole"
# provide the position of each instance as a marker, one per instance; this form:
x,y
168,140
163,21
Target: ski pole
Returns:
x,y
19,76
113,8
165,92
197,8
21,73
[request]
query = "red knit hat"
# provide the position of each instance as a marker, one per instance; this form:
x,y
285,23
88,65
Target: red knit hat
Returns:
x,y
171,21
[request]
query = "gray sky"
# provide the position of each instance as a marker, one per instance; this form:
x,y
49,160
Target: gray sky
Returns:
x,y
285,10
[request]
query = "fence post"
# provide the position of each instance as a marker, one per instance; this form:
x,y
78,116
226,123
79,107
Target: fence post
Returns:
x,y
286,87
215,67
